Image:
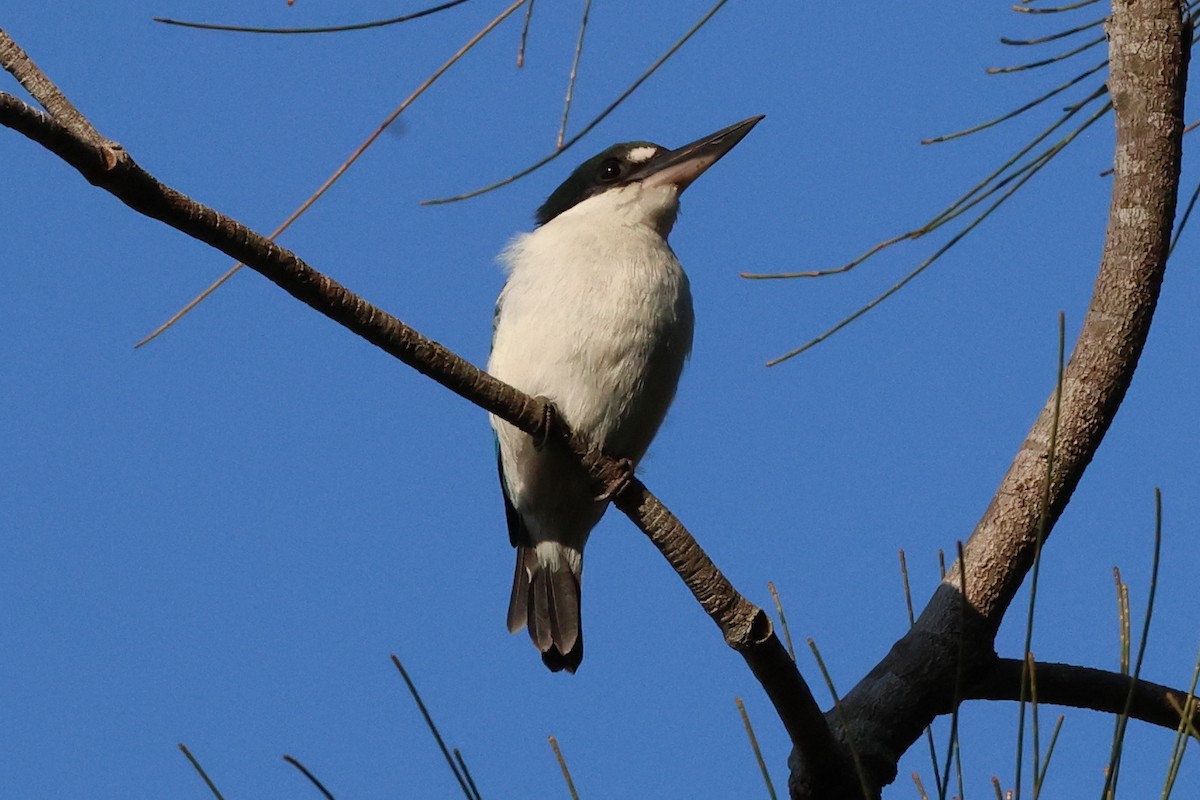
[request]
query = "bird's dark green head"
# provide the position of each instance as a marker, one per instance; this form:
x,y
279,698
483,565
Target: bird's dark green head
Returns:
x,y
611,168
645,162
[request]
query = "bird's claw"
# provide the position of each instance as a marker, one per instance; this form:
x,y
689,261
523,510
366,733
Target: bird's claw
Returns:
x,y
619,482
549,416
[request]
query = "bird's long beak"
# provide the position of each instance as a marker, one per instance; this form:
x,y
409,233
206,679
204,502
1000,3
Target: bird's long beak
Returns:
x,y
682,166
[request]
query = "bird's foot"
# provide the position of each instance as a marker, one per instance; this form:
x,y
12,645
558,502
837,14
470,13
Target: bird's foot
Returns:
x,y
550,416
618,482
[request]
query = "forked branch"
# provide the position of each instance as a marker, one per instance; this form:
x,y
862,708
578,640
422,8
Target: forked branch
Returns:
x,y
1148,46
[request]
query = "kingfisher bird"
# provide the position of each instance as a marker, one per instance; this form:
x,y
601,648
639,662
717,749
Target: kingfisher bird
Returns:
x,y
596,318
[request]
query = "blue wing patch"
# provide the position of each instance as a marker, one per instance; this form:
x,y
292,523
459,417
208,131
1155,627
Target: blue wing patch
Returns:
x,y
518,534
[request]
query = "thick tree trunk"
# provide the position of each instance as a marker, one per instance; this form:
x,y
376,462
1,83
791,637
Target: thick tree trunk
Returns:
x,y
917,680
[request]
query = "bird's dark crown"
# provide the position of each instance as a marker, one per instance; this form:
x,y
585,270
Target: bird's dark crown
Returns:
x,y
599,173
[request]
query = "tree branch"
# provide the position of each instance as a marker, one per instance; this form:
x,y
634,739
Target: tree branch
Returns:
x,y
746,628
1083,687
47,95
903,693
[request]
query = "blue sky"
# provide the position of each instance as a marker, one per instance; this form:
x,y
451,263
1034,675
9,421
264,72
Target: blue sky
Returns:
x,y
219,539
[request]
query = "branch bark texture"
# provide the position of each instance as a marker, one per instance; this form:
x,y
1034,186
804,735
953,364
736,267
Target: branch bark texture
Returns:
x,y
885,713
917,679
746,628
1084,687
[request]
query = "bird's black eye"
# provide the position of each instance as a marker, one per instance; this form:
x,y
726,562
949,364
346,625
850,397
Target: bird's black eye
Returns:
x,y
609,171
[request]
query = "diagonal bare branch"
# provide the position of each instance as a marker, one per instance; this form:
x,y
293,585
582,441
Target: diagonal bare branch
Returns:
x,y
320,787
583,22
341,170
745,627
42,89
563,146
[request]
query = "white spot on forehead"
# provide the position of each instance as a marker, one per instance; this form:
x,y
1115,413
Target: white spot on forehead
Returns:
x,y
640,154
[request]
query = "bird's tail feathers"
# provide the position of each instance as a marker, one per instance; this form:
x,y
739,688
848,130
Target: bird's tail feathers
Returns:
x,y
545,598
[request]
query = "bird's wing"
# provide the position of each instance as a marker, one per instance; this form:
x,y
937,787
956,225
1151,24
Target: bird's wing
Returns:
x,y
518,534
495,321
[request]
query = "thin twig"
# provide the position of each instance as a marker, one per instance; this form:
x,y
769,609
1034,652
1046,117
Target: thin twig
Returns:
x,y
412,689
958,770
908,603
311,778
212,787
1181,734
562,764
1020,109
1183,220
787,633
562,128
1114,763
1088,45
952,753
462,765
1123,624
1039,780
357,26
1054,10
1035,726
1037,556
1035,166
973,196
524,35
324,187
586,128
1054,36
837,705
1185,720
998,176
758,756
